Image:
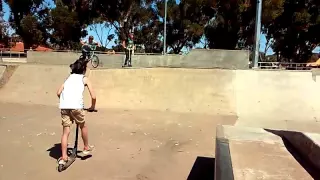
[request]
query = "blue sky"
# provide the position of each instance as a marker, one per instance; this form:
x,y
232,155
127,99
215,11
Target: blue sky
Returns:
x,y
102,32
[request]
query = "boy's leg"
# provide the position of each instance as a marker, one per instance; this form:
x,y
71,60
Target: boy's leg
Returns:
x,y
64,142
127,57
85,51
84,135
66,123
79,118
130,54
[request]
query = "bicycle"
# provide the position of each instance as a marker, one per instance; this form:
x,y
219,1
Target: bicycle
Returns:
x,y
92,57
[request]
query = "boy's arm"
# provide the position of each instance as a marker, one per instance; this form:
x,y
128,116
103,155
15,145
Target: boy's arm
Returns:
x,y
91,91
83,42
60,90
97,43
124,44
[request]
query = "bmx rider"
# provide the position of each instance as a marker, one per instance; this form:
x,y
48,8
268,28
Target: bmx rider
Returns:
x,y
87,46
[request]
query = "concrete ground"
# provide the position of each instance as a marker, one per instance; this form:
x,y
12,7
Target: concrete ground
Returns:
x,y
258,153
137,145
152,124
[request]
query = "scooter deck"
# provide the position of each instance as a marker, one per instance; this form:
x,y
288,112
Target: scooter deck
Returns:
x,y
68,164
72,159
73,156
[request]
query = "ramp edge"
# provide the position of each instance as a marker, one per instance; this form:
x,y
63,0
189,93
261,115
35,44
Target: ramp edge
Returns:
x,y
8,72
223,166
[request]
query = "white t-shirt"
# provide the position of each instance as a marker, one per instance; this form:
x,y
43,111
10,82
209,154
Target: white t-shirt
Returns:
x,y
72,94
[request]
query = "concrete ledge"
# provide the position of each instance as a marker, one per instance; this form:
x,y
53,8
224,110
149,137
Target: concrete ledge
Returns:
x,y
256,153
223,165
14,60
306,144
6,71
198,58
2,70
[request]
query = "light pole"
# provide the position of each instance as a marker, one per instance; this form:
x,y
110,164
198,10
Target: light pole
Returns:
x,y
165,28
257,33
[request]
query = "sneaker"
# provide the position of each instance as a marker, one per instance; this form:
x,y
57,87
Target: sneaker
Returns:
x,y
62,162
88,151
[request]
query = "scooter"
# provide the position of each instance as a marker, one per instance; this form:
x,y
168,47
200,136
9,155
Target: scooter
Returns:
x,y
74,153
73,156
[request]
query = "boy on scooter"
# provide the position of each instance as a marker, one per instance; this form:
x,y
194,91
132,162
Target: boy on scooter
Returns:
x,y
128,46
71,105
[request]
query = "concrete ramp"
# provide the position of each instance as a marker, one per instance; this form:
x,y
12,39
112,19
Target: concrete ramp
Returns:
x,y
2,69
269,99
34,84
256,153
277,99
179,90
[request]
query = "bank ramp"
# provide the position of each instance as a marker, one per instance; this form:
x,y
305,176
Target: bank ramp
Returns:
x,y
257,98
179,90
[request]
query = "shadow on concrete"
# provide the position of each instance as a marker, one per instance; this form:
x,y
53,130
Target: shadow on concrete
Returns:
x,y
55,152
305,163
203,169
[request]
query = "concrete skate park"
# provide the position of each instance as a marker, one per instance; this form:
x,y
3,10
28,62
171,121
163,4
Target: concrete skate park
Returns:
x,y
200,116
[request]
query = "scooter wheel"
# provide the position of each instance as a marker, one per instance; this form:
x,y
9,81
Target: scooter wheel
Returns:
x,y
60,167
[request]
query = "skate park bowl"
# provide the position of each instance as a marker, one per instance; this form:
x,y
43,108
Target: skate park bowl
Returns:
x,y
186,122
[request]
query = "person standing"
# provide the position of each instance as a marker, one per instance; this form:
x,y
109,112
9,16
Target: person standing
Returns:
x,y
71,107
128,45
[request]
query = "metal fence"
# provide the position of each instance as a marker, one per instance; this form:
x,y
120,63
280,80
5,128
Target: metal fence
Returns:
x,y
12,54
285,66
8,52
8,55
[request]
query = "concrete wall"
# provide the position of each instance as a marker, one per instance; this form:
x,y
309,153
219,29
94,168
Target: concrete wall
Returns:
x,y
276,96
149,61
258,98
227,59
66,58
178,90
34,84
215,58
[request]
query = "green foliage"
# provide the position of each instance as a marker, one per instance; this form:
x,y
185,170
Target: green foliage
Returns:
x,y
103,31
296,30
29,29
185,23
66,28
232,25
4,34
291,26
